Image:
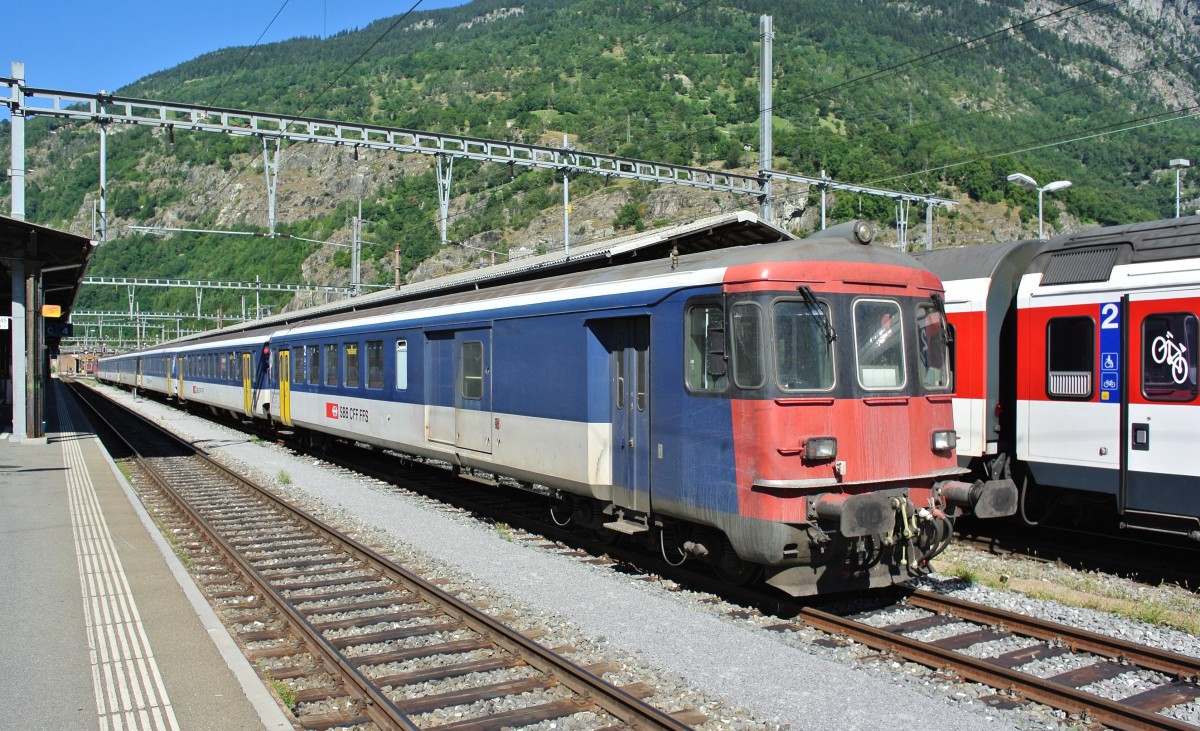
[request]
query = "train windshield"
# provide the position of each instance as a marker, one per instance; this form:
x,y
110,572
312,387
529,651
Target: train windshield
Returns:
x,y
803,349
879,341
932,339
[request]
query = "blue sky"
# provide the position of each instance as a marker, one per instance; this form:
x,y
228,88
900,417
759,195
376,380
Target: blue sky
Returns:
x,y
86,46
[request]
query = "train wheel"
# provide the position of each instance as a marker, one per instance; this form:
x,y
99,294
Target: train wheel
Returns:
x,y
731,568
736,572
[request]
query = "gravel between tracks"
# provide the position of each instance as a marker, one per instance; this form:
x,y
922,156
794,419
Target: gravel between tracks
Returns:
x,y
739,674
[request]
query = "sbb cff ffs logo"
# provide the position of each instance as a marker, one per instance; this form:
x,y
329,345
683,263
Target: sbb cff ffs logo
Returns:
x,y
346,413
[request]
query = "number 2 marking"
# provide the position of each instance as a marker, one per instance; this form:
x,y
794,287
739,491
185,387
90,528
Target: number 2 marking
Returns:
x,y
1109,312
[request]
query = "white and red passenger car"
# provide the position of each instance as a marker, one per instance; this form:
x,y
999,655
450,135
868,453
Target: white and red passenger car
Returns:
x,y
1077,365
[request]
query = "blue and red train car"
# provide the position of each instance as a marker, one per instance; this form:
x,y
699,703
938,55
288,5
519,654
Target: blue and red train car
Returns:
x,y
778,407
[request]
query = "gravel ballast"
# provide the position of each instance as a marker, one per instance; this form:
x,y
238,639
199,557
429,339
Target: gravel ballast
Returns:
x,y
732,669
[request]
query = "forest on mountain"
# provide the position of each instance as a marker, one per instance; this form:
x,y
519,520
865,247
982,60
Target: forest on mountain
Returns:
x,y
943,97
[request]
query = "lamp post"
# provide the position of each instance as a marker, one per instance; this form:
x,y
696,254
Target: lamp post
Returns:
x,y
1025,181
1179,164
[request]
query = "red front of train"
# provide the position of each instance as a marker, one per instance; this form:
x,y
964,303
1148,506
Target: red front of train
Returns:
x,y
851,435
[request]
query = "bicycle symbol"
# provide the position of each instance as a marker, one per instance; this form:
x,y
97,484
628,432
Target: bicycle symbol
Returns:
x,y
1164,349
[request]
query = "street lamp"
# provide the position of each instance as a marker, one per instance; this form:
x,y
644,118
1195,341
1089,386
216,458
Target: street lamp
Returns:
x,y
1179,164
1025,181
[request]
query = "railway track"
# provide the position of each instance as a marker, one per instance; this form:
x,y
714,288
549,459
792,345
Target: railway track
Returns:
x,y
964,629
963,632
1005,651
345,636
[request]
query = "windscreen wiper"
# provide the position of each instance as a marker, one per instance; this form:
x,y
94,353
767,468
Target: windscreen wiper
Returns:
x,y
817,311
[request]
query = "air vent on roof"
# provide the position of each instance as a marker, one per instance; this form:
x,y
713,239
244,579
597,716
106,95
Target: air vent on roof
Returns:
x,y
1072,267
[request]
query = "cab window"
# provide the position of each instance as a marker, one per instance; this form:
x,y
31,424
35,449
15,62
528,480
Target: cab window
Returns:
x,y
933,348
748,371
879,345
803,345
705,348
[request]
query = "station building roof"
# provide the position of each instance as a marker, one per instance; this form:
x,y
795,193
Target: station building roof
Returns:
x,y
62,257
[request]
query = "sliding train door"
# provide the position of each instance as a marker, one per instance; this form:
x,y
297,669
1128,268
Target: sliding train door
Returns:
x,y
628,342
247,388
458,387
285,386
1162,474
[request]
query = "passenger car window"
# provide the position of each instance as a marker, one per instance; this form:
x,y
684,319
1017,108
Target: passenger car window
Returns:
x,y
299,364
1169,356
351,371
331,364
1070,357
879,345
374,364
314,364
803,348
401,365
705,348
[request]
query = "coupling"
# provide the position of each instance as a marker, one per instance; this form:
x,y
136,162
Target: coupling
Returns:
x,y
986,499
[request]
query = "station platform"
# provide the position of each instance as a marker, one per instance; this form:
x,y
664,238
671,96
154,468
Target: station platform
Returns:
x,y
100,624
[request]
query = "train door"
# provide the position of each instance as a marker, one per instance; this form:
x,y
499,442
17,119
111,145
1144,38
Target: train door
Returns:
x,y
285,386
1070,406
458,388
473,398
247,389
170,363
629,388
137,373
439,387
1161,473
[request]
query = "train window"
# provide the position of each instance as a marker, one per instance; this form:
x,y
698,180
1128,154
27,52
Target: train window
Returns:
x,y
299,363
879,344
374,364
401,365
472,370
705,348
748,370
1070,357
352,369
314,365
1169,356
803,347
331,364
934,350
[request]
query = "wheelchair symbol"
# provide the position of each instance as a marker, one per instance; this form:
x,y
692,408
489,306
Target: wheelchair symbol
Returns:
x,y
1108,362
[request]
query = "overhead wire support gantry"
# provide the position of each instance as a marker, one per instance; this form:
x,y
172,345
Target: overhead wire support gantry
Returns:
x,y
103,109
215,284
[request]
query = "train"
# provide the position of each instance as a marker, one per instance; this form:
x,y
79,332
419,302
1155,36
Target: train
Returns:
x,y
1077,373
778,408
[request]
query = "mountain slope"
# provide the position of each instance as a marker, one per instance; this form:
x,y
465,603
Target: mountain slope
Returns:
x,y
945,97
